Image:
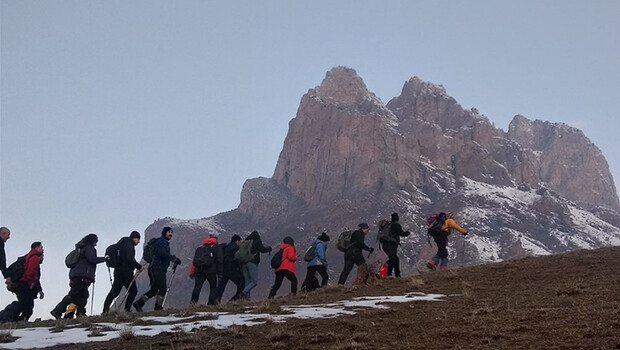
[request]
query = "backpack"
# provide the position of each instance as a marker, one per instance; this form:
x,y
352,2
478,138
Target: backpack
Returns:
x,y
383,234
310,252
276,260
114,252
72,259
16,270
244,254
204,257
434,223
344,241
149,247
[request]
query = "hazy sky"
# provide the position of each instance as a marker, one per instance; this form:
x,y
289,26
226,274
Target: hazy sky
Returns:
x,y
116,113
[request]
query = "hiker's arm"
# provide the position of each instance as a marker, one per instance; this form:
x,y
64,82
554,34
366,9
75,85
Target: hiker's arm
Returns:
x,y
452,224
31,272
130,254
320,252
262,248
3,262
361,243
90,254
164,253
219,260
291,254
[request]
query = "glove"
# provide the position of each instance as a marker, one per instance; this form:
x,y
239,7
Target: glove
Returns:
x,y
270,249
465,234
372,250
177,261
107,258
407,233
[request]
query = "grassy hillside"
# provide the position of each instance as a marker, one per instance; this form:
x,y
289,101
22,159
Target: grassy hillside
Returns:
x,y
567,301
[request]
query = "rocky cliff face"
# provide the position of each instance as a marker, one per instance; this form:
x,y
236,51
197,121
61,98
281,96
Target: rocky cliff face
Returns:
x,y
539,188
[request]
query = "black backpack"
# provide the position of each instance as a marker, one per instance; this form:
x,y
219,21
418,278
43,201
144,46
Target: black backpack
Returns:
x,y
16,270
149,247
434,223
276,260
383,234
204,257
114,252
72,259
310,252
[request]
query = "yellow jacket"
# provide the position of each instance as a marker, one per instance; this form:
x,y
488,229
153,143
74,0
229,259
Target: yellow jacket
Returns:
x,y
450,224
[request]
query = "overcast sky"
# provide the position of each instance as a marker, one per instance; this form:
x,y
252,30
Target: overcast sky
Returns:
x,y
116,113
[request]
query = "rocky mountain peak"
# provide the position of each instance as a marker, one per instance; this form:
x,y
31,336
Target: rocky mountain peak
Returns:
x,y
343,85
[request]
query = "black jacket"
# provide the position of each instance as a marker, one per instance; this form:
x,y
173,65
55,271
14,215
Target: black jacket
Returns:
x,y
87,265
128,255
357,241
231,266
257,247
396,231
2,259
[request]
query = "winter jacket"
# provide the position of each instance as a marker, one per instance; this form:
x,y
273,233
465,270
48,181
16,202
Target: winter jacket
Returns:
x,y
128,255
161,254
31,268
257,247
213,268
450,224
87,264
289,256
357,241
320,255
3,259
396,231
231,266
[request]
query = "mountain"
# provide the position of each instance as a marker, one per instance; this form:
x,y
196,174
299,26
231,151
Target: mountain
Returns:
x,y
539,188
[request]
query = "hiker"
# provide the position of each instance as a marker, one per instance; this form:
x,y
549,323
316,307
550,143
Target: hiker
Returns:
x,y
157,271
250,268
447,223
286,268
124,271
27,287
390,246
5,234
317,264
231,270
81,276
353,256
206,266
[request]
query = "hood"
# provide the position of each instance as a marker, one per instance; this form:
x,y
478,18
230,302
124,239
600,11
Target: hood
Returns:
x,y
210,240
33,251
253,235
286,245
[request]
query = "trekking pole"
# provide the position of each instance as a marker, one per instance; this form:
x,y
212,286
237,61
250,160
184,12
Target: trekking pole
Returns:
x,y
174,270
92,300
124,298
270,272
110,274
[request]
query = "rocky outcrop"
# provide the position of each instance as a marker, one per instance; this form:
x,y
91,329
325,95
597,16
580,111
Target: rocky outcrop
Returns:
x,y
540,188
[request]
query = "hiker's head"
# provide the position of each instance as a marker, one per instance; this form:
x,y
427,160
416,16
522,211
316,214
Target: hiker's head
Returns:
x,y
395,217
135,237
364,227
167,232
38,246
5,233
235,239
288,240
90,239
324,237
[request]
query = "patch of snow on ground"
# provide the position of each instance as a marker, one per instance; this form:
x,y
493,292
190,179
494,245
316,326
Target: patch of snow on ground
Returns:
x,y
594,227
508,196
531,245
487,249
39,337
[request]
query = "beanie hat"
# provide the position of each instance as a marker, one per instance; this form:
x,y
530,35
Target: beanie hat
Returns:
x,y
165,230
289,240
235,238
394,217
324,237
134,234
363,226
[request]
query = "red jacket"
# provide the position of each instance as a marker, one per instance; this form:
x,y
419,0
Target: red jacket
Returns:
x,y
31,268
213,240
288,258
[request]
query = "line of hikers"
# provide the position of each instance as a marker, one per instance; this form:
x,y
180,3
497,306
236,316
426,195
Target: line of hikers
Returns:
x,y
215,263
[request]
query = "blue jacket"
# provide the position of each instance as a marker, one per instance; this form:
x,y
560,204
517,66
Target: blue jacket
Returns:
x,y
161,254
320,257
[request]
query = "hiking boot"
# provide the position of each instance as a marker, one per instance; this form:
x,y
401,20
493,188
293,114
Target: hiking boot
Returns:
x,y
56,314
430,265
443,268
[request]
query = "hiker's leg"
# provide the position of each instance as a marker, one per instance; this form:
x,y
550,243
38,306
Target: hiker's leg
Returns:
x,y
252,281
117,286
322,270
396,266
293,279
277,284
212,278
151,292
348,266
221,286
131,296
238,280
25,302
161,286
199,280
